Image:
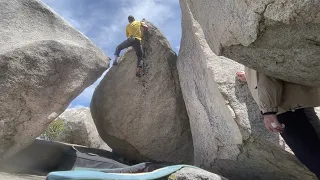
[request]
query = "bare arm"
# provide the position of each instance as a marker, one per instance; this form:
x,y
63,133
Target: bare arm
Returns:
x,y
144,26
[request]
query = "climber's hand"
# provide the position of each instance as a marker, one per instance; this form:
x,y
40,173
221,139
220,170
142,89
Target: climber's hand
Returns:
x,y
241,76
272,124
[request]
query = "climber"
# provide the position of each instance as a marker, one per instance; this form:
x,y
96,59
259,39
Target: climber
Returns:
x,y
288,109
134,33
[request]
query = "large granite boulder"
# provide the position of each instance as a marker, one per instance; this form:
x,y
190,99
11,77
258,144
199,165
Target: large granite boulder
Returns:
x,y
80,129
227,129
44,64
279,38
144,118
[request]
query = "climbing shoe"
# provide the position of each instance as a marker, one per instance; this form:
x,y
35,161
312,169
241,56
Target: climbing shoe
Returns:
x,y
115,63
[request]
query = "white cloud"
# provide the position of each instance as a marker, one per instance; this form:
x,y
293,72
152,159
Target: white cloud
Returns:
x,y
76,106
155,11
63,8
177,48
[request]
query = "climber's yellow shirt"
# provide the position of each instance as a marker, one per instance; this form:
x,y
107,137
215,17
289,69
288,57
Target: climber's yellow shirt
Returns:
x,y
134,30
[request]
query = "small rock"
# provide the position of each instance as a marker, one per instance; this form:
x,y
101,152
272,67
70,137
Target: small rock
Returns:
x,y
194,174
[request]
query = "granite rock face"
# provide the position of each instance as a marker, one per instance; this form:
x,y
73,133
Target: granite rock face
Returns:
x,y
80,129
44,64
144,118
228,132
279,38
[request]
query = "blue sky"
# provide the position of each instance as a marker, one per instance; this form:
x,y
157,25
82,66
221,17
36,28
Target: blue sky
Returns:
x,y
104,22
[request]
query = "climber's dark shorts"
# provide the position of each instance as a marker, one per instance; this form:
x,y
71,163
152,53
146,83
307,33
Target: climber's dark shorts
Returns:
x,y
136,44
301,137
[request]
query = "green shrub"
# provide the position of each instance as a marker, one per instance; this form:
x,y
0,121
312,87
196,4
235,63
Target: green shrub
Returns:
x,y
54,129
